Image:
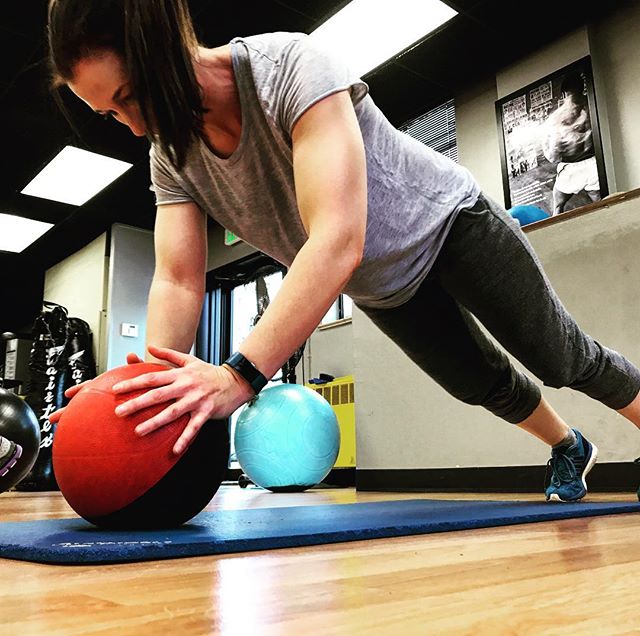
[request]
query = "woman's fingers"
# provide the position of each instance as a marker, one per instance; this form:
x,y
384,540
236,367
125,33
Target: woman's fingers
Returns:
x,y
134,358
171,413
71,391
56,415
145,381
191,430
170,355
150,398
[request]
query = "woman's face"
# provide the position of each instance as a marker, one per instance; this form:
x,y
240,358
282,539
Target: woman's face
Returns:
x,y
101,82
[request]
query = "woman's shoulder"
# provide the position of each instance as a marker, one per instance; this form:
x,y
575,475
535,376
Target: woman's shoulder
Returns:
x,y
157,156
271,45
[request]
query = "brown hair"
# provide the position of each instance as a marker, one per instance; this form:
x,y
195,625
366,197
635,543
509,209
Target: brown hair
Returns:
x,y
156,41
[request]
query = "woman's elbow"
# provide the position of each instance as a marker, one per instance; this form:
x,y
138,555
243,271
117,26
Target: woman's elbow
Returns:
x,y
353,253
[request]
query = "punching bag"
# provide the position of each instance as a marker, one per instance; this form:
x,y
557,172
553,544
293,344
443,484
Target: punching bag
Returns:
x,y
45,390
81,364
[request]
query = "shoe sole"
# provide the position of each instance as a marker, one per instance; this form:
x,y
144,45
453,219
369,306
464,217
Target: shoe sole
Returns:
x,y
12,462
588,467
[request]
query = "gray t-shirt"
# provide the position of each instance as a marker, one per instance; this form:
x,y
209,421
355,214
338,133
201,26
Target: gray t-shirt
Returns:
x,y
414,192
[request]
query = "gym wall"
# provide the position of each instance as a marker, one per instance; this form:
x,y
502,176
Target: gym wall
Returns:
x,y
616,52
404,420
131,266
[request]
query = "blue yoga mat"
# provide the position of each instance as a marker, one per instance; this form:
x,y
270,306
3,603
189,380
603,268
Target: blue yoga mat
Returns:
x,y
73,541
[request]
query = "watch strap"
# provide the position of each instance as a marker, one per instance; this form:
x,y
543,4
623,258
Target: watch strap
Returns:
x,y
247,370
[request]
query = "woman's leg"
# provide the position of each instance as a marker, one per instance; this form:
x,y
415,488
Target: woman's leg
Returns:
x,y
488,266
545,424
632,411
444,340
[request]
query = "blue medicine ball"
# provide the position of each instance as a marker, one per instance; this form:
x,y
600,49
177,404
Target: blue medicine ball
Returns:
x,y
287,439
526,214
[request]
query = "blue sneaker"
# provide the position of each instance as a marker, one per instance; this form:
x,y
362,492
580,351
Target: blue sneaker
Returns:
x,y
569,468
10,453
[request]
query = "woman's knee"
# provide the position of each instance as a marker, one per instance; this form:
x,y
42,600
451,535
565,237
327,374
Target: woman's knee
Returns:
x,y
575,371
513,398
559,378
511,395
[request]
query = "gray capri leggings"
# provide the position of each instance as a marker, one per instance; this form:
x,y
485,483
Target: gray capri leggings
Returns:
x,y
487,268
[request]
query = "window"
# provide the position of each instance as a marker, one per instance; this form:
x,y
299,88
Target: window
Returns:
x,y
436,129
244,308
229,311
342,308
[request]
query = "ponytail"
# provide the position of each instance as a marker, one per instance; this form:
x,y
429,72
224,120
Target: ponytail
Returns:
x,y
159,47
156,41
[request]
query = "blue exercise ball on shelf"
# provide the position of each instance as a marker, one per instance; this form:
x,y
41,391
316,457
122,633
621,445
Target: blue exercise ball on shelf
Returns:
x,y
527,214
287,438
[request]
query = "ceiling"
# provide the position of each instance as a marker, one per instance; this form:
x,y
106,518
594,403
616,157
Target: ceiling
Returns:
x,y
486,35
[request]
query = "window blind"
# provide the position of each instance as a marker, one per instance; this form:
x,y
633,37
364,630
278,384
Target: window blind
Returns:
x,y
436,129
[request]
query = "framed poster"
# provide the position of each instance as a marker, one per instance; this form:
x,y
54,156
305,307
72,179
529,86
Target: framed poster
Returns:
x,y
550,147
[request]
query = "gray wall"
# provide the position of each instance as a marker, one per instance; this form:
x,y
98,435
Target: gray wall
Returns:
x,y
404,420
107,290
131,268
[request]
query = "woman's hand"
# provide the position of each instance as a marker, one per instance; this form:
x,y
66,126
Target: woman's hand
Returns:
x,y
132,358
201,390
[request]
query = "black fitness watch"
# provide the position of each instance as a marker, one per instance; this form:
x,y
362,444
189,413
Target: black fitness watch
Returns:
x,y
247,370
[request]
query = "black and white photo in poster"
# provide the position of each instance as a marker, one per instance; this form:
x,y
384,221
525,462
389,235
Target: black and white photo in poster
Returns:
x,y
550,142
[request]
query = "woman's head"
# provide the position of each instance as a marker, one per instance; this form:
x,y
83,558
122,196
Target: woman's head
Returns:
x,y
132,59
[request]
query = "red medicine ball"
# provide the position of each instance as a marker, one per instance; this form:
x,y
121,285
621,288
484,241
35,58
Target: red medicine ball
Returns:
x,y
117,479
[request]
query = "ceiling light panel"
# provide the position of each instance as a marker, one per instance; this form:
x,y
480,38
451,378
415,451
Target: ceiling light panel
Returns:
x,y
74,176
366,33
17,233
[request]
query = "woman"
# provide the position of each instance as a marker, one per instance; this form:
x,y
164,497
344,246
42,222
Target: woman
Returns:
x,y
281,144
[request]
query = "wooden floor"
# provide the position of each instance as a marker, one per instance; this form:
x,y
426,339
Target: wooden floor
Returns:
x,y
568,577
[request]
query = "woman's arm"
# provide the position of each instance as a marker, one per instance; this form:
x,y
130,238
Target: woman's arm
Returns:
x,y
331,188
178,285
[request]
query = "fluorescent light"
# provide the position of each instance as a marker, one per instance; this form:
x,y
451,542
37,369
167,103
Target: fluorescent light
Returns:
x,y
17,233
75,176
367,33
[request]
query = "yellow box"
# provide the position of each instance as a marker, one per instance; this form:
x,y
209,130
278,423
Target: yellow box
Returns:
x,y
340,394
